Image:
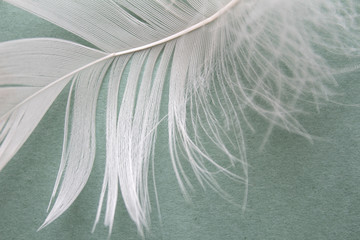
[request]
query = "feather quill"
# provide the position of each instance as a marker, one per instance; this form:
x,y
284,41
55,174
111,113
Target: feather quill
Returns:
x,y
227,56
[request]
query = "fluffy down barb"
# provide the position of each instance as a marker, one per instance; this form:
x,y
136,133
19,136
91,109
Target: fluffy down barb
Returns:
x,y
204,66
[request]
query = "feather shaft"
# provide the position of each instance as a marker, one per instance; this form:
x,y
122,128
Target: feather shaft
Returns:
x,y
133,50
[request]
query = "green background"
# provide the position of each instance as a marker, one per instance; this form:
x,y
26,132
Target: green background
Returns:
x,y
298,190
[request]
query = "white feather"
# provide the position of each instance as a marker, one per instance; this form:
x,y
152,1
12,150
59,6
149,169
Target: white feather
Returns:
x,y
227,56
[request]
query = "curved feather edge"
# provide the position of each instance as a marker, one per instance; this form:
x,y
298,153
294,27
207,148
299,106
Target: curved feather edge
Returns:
x,y
257,56
28,72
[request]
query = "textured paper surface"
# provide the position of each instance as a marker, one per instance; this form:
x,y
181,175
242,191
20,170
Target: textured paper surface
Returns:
x,y
298,190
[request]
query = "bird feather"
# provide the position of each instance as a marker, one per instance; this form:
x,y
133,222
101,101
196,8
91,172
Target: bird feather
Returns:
x,y
217,61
